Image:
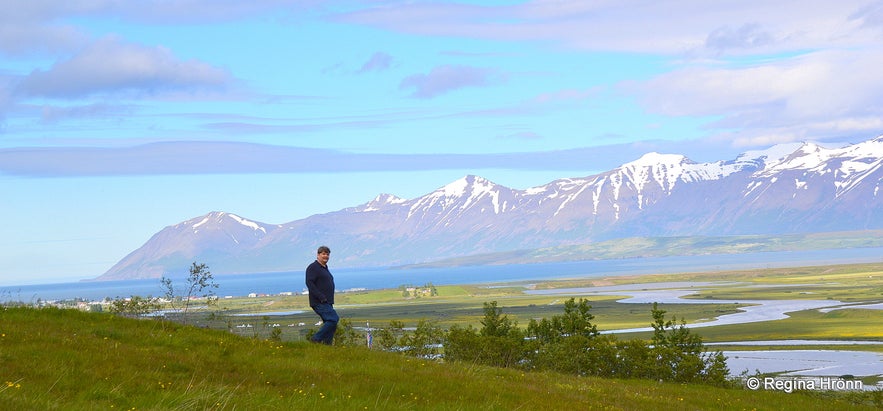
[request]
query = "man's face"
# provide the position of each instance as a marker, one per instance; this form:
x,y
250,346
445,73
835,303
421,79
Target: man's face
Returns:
x,y
323,257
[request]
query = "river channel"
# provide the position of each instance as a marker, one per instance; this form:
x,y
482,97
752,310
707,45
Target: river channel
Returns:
x,y
800,363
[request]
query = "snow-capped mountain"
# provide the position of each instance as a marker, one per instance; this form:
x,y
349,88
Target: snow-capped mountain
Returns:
x,y
215,236
791,188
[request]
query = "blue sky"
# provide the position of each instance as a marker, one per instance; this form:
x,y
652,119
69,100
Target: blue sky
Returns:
x,y
119,118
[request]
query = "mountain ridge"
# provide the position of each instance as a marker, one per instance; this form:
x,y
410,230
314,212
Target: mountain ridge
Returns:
x,y
786,189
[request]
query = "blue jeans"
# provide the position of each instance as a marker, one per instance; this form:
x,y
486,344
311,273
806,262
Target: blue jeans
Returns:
x,y
329,317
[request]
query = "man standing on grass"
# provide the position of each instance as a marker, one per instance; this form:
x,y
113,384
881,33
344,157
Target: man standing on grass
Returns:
x,y
320,285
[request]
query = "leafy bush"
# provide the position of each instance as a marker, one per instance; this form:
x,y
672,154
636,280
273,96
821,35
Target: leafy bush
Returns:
x,y
499,343
134,306
425,342
387,338
680,355
346,334
570,343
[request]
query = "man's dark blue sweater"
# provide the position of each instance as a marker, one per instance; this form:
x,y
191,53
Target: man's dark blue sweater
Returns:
x,y
320,284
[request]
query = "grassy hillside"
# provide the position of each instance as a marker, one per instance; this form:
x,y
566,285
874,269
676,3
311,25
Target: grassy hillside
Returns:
x,y
65,359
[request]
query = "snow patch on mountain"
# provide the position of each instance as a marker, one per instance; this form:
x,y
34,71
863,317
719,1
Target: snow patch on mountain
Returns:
x,y
379,202
663,169
849,165
668,170
247,223
476,188
466,192
774,154
218,216
807,157
199,224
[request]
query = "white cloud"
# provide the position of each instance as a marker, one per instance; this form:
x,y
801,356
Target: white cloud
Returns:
x,y
870,16
748,36
38,26
111,66
156,11
17,39
379,61
444,79
819,94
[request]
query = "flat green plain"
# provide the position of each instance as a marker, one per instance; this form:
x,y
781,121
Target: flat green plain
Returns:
x,y
854,284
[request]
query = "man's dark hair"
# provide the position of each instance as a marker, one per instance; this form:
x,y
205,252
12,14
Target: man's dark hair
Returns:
x,y
323,249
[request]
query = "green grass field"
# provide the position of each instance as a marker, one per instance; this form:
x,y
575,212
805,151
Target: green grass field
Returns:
x,y
52,359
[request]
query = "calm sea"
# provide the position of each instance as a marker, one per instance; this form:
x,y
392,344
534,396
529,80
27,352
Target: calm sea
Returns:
x,y
345,279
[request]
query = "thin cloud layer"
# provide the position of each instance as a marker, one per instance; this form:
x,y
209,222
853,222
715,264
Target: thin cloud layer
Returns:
x,y
244,158
640,26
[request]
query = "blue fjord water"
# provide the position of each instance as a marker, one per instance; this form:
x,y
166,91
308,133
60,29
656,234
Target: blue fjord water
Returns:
x,y
379,278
